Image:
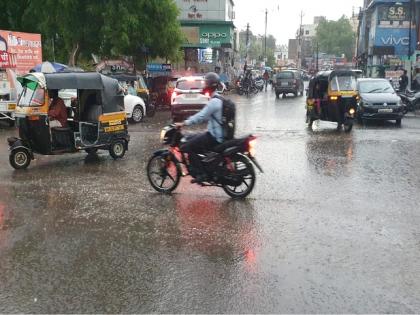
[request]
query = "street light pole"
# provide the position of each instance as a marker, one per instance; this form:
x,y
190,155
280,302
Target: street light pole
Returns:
x,y
410,15
265,37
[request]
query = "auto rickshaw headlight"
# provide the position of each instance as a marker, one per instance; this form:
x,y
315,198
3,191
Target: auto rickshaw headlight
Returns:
x,y
333,98
352,111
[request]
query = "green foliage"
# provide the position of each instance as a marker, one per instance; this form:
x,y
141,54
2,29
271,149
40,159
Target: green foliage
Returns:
x,y
111,28
256,47
336,37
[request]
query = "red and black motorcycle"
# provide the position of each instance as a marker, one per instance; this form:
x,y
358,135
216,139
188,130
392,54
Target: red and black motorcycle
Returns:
x,y
229,165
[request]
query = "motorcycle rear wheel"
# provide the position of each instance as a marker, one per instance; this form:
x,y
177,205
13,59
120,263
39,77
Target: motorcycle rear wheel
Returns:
x,y
243,168
160,171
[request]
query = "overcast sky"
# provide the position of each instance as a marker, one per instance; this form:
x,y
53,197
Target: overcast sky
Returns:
x,y
283,22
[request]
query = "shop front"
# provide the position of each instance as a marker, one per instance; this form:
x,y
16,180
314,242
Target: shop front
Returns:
x,y
208,46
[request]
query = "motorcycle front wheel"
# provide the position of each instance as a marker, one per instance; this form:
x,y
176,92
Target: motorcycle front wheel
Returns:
x,y
241,168
163,174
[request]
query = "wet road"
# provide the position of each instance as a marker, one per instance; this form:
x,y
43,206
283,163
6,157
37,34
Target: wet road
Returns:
x,y
331,226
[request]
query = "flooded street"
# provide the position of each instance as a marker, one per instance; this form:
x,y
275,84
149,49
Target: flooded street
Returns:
x,y
331,226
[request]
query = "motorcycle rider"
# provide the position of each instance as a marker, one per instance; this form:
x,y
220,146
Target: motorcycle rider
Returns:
x,y
200,143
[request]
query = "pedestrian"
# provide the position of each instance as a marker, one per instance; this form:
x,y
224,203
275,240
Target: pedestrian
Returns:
x,y
266,77
403,81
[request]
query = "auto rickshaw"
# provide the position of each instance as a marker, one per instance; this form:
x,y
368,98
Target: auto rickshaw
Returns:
x,y
142,90
96,120
332,96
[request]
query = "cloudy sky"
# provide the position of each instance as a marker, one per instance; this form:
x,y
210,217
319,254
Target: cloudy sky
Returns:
x,y
284,15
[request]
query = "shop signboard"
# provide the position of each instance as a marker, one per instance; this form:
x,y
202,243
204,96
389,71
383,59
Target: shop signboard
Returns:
x,y
215,35
394,13
24,50
396,37
159,67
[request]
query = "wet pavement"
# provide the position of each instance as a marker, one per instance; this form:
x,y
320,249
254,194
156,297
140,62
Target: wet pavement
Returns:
x,y
331,226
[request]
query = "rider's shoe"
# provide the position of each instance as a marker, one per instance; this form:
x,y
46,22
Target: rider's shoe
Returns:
x,y
199,179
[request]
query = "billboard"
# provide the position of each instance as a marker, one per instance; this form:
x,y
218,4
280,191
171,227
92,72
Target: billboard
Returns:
x,y
20,51
398,38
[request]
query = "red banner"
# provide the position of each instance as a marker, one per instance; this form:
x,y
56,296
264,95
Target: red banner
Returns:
x,y
24,51
7,60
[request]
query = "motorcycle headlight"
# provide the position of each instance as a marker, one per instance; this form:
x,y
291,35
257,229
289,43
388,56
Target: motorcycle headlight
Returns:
x,y
162,135
352,111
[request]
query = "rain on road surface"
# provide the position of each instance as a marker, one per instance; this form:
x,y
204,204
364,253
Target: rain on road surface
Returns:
x,y
331,226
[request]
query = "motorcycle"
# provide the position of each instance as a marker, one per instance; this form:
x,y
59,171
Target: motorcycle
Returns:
x,y
259,83
410,99
229,165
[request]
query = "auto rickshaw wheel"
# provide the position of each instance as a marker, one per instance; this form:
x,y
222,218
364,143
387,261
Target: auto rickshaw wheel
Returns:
x,y
91,150
117,149
19,159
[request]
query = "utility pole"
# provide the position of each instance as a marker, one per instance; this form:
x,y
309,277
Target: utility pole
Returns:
x,y
317,56
246,49
410,71
299,63
265,37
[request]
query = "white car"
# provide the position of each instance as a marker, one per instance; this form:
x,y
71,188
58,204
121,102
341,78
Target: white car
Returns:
x,y
134,106
188,97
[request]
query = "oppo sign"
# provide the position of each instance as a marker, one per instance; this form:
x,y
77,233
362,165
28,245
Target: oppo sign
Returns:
x,y
213,35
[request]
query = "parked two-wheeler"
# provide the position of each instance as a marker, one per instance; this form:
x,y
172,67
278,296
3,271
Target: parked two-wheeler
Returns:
x,y
229,165
259,83
411,100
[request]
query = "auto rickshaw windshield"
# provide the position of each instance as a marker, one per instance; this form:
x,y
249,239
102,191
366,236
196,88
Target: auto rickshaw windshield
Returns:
x,y
343,83
32,97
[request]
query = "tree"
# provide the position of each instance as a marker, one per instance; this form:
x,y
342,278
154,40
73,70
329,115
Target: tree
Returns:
x,y
111,28
336,37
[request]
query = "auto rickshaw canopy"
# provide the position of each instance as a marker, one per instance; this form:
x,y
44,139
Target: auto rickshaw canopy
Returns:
x,y
111,94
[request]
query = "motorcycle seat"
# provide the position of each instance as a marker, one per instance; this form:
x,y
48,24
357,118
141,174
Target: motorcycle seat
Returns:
x,y
228,144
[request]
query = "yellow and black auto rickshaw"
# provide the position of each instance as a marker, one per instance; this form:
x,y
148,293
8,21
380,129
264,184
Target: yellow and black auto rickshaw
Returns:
x,y
141,88
332,96
96,120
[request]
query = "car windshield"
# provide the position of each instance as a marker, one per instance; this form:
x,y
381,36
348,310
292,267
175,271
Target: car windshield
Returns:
x,y
31,97
375,87
190,84
343,83
285,75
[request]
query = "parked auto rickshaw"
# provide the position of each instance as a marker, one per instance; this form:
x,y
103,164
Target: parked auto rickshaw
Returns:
x,y
332,96
96,120
161,88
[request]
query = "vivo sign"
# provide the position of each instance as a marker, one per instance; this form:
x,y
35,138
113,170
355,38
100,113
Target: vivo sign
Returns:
x,y
392,40
398,38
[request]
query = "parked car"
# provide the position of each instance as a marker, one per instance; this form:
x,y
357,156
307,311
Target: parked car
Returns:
x,y
378,100
289,81
188,97
134,106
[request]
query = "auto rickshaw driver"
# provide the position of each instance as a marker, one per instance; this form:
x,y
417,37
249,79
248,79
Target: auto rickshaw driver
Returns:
x,y
57,112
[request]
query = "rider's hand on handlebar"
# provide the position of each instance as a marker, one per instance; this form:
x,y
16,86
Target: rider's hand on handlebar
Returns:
x,y
179,125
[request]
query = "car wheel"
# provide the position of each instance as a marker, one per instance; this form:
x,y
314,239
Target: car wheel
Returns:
x,y
398,122
19,159
277,95
117,149
137,115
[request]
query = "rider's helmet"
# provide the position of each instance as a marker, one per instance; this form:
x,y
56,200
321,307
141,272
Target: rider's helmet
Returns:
x,y
212,80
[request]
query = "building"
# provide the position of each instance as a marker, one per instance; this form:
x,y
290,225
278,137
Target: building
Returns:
x,y
281,55
386,37
293,49
211,37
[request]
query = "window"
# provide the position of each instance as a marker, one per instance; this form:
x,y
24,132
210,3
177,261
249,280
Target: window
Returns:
x,y
285,75
343,83
32,97
306,32
190,85
380,86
